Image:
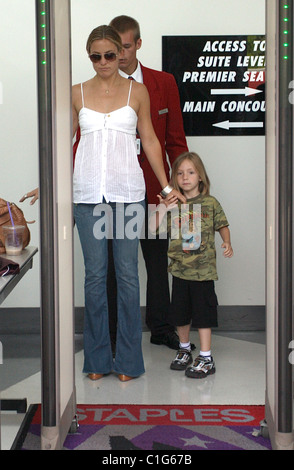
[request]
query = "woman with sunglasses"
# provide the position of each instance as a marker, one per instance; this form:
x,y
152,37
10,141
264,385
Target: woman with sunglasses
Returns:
x,y
108,180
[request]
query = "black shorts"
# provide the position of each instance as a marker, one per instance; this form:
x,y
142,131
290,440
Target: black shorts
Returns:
x,y
193,302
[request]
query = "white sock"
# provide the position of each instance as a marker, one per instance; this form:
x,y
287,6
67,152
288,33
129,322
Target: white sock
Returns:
x,y
205,353
185,345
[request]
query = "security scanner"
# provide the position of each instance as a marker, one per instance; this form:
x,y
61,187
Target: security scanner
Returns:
x,y
56,221
279,224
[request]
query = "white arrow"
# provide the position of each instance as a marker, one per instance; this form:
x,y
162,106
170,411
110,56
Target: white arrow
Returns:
x,y
229,125
235,91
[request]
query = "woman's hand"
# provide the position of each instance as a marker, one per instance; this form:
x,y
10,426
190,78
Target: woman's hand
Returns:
x,y
175,196
172,198
34,194
169,204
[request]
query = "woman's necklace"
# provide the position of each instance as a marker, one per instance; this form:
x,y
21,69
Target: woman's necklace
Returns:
x,y
112,86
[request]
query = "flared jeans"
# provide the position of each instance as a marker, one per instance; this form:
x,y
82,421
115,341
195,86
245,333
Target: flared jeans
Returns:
x,y
96,223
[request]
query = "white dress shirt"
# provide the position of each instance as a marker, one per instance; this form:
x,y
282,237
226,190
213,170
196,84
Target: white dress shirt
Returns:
x,y
137,75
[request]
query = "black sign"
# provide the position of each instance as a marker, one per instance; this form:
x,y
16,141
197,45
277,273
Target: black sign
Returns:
x,y
221,81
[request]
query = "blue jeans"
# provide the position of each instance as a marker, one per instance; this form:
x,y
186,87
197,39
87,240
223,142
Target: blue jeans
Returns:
x,y
94,230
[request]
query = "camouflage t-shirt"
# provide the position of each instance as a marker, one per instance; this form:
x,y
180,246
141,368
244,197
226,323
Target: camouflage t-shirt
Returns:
x,y
192,228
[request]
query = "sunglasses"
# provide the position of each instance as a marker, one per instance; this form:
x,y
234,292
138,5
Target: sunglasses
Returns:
x,y
109,56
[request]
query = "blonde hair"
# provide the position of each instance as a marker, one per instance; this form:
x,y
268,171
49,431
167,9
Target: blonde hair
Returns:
x,y
204,184
104,32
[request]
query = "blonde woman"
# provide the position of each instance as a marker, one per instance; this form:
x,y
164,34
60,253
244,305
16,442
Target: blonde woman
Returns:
x,y
108,179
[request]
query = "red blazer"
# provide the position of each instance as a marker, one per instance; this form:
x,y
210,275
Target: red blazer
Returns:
x,y
167,121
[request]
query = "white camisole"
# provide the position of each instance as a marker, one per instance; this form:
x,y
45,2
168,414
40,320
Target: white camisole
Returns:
x,y
106,162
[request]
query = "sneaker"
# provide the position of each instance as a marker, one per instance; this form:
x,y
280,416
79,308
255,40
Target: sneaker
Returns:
x,y
202,367
171,340
182,359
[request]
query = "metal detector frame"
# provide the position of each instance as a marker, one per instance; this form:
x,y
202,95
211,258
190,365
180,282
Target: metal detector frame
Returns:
x,y
279,223
56,221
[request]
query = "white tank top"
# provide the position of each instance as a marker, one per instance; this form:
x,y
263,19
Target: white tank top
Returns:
x,y
106,162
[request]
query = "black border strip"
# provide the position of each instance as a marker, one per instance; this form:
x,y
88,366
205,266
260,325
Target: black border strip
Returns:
x,y
23,430
285,218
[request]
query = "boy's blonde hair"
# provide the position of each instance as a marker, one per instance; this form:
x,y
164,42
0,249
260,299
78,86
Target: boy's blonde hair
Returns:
x,y
204,184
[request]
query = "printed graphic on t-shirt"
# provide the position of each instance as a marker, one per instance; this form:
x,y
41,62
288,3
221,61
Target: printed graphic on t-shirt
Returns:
x,y
192,228
190,224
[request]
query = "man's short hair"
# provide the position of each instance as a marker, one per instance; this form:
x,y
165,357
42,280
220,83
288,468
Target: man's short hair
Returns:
x,y
125,23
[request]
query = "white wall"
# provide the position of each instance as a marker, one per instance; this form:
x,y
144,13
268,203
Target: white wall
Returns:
x,y
236,165
18,126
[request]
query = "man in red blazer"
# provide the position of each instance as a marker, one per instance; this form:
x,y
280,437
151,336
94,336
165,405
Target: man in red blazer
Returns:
x,y
168,125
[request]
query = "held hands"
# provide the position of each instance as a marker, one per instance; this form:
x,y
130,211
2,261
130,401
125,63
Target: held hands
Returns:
x,y
165,204
168,203
171,197
175,196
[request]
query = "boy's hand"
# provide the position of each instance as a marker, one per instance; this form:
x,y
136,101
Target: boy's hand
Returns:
x,y
228,250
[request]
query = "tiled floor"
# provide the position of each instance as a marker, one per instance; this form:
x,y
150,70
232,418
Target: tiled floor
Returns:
x,y
239,378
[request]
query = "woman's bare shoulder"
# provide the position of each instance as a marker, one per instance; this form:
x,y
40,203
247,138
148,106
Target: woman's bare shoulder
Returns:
x,y
77,86
140,90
